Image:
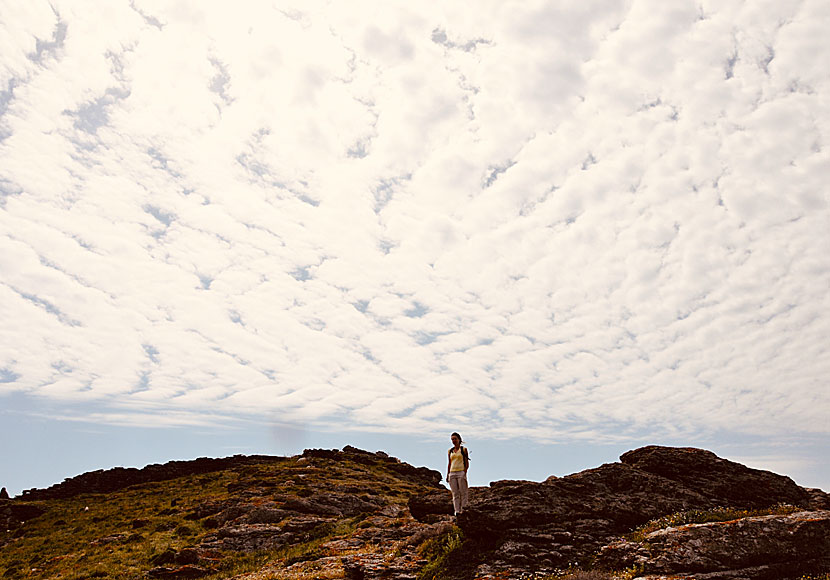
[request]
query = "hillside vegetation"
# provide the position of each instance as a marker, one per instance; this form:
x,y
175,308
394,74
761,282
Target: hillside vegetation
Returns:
x,y
311,515
349,514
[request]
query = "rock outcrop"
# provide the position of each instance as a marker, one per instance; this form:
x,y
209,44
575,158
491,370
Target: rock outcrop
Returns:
x,y
14,515
339,511
724,481
426,506
249,524
361,515
422,475
528,527
110,480
765,547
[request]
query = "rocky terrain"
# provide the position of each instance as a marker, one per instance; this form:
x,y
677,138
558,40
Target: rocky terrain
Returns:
x,y
519,527
325,514
658,513
771,546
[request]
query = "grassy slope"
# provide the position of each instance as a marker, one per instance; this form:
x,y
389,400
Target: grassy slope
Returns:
x,y
116,535
96,536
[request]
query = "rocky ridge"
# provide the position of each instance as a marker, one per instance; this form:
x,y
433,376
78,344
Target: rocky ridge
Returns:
x,y
522,528
339,510
763,547
118,478
359,515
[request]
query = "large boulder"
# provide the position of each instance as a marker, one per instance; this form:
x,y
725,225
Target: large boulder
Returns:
x,y
552,524
258,537
562,521
617,493
723,481
763,547
333,504
431,503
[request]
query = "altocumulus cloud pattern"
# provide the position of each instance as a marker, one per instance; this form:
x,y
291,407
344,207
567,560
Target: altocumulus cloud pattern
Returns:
x,y
561,220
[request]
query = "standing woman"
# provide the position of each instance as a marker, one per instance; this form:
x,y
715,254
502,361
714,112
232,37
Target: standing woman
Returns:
x,y
457,465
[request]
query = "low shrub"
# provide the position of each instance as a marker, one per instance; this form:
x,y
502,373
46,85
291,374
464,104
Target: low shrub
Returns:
x,y
438,551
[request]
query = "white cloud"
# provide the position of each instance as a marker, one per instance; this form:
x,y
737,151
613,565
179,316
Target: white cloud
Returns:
x,y
538,220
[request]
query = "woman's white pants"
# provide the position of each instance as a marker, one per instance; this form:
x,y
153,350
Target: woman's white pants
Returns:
x,y
458,485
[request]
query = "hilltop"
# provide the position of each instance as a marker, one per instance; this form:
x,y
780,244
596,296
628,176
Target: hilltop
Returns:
x,y
658,513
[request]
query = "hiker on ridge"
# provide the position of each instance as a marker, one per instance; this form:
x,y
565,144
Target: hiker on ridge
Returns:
x,y
457,465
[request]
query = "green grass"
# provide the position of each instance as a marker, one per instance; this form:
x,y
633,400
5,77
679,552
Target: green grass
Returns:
x,y
94,534
440,552
71,542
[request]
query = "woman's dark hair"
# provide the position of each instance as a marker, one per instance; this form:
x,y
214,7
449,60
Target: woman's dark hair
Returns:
x,y
455,434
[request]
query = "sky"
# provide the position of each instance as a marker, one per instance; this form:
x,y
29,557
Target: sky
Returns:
x,y
563,229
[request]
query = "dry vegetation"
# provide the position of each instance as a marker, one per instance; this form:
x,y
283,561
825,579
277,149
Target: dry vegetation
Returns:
x,y
118,535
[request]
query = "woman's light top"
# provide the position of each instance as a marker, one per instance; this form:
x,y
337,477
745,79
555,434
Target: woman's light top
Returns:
x,y
456,460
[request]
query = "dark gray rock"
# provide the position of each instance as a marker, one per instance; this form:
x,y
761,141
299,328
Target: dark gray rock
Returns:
x,y
171,556
256,537
723,481
819,500
763,547
438,502
613,496
265,515
248,538
333,504
554,523
209,508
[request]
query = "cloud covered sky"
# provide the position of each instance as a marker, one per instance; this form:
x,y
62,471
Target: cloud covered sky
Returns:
x,y
570,221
